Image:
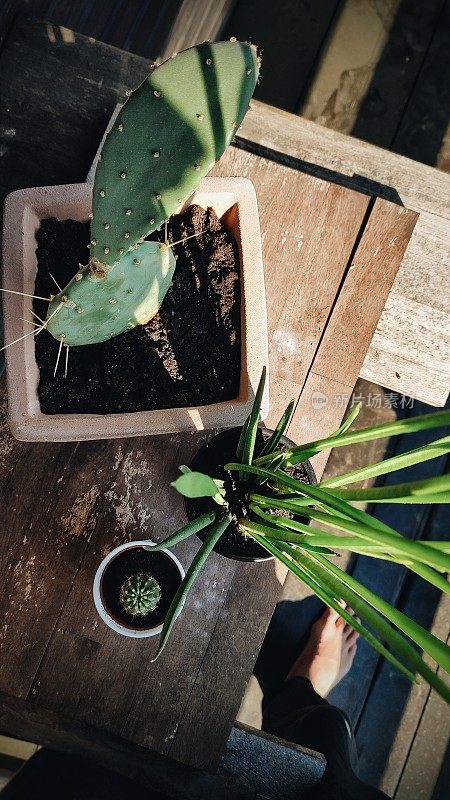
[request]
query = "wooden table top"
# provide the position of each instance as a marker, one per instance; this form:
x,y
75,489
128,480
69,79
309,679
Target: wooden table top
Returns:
x,y
330,254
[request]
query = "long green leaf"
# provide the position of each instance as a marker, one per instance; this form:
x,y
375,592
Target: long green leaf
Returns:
x,y
242,438
392,542
417,550
295,455
183,533
253,422
352,544
309,538
438,650
413,491
349,420
339,590
436,449
329,599
277,533
444,546
274,440
375,620
191,575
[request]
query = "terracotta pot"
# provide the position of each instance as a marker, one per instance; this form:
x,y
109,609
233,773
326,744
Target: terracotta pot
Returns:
x,y
234,200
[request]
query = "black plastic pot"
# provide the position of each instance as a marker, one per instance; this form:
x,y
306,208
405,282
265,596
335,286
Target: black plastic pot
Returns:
x,y
210,459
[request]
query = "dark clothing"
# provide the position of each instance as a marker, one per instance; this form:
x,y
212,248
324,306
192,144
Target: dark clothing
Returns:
x,y
298,714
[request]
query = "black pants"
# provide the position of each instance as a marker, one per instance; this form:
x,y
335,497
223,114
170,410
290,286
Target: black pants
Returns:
x,y
298,714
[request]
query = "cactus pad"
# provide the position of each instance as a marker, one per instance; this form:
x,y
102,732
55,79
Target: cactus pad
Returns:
x,y
140,594
96,305
165,139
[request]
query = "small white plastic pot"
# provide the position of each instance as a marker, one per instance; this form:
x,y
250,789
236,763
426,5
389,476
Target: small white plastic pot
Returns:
x,y
102,607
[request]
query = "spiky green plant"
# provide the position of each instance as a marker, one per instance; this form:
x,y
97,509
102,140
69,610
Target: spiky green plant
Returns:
x,y
140,594
166,138
307,551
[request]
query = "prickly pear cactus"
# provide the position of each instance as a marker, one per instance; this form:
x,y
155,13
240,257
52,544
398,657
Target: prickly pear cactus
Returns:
x,y
99,304
166,138
140,594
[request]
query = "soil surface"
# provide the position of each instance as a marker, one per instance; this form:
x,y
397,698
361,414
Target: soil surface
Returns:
x,y
188,354
131,562
210,459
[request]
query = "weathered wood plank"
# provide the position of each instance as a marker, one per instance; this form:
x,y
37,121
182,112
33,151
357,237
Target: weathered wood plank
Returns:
x,y
348,59
363,166
60,732
294,212
74,72
426,117
385,740
114,686
402,355
428,749
361,298
289,37
197,21
283,254
103,683
404,343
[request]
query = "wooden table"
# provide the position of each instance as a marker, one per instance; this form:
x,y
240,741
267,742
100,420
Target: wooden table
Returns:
x,y
331,254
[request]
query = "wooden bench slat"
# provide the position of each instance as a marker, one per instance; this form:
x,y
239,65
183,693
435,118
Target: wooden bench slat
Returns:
x,y
404,354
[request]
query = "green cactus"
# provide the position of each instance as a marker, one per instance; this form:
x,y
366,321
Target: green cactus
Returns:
x,y
166,138
97,305
140,594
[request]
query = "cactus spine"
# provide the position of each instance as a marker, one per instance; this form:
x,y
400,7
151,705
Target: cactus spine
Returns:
x,y
167,137
94,308
140,594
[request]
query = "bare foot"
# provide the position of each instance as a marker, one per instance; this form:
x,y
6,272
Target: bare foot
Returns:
x,y
328,654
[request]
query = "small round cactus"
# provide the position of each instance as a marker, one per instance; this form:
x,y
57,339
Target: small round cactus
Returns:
x,y
140,594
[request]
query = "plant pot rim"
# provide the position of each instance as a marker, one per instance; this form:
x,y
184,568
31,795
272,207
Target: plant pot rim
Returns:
x,y
234,200
248,559
97,593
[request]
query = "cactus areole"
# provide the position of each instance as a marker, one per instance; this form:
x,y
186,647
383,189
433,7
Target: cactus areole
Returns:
x,y
166,138
140,594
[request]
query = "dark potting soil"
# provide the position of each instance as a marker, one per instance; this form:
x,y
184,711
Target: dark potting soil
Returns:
x,y
131,562
188,354
210,459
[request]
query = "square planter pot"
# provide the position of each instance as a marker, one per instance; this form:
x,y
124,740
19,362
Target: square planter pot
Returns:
x,y
234,200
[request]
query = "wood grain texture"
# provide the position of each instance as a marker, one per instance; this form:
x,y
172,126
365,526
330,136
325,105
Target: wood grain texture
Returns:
x,y
405,343
113,687
347,62
289,37
303,268
197,21
75,72
361,300
60,732
363,166
426,116
405,354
